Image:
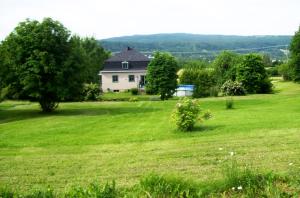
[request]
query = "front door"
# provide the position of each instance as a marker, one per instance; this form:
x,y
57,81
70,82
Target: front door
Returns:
x,y
142,81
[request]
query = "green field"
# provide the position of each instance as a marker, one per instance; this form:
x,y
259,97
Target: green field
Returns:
x,y
122,141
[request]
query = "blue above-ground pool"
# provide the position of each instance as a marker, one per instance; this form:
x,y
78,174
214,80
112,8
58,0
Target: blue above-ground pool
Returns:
x,y
184,90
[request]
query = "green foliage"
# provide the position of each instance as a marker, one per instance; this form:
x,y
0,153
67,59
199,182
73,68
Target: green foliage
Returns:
x,y
44,63
225,66
94,59
229,103
295,56
161,75
272,71
91,92
233,88
253,76
286,70
134,91
187,113
35,60
203,79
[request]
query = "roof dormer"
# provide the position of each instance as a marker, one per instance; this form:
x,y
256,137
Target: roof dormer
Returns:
x,y
125,65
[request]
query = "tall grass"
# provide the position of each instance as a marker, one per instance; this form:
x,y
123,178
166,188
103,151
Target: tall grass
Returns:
x,y
237,182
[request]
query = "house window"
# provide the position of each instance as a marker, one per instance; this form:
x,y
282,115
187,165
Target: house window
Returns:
x,y
124,65
115,79
131,78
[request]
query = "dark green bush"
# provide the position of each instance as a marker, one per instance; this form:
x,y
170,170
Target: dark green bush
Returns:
x,y
229,103
286,71
91,92
134,91
233,88
252,74
225,66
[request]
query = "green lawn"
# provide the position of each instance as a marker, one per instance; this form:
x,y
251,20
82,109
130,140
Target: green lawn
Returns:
x,y
84,142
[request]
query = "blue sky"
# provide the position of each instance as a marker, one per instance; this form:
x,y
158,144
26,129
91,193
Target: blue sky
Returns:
x,y
110,18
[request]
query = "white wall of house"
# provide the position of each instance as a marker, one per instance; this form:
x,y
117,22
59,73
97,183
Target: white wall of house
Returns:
x,y
123,83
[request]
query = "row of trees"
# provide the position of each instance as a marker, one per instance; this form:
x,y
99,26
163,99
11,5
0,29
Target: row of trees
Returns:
x,y
228,69
42,61
231,73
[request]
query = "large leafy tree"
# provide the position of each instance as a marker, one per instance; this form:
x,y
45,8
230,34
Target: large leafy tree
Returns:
x,y
295,56
252,74
42,62
95,57
161,75
225,66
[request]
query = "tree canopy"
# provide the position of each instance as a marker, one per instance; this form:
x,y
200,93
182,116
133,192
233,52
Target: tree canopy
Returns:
x,y
295,56
41,61
225,66
161,75
252,74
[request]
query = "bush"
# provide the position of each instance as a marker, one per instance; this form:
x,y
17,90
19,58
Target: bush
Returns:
x,y
252,74
134,91
186,113
233,88
91,92
286,71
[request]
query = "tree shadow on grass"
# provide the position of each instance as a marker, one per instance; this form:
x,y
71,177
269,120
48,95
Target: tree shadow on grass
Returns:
x,y
200,129
206,128
12,115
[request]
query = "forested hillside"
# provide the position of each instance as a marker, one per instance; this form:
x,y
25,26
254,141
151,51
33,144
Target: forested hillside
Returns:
x,y
200,46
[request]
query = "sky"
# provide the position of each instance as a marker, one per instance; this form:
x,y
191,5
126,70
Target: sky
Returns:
x,y
111,18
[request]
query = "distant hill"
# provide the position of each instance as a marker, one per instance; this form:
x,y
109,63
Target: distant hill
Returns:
x,y
200,46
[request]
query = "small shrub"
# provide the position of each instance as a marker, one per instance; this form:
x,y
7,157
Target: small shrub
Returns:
x,y
134,91
187,113
233,88
229,103
133,99
91,92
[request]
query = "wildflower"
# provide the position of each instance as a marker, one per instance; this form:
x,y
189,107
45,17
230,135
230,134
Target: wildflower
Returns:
x,y
220,149
240,188
231,153
290,164
233,188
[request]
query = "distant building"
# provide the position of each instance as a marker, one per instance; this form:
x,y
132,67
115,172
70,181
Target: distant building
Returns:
x,y
124,70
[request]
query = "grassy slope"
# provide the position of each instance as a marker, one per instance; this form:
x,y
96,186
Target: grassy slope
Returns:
x,y
83,142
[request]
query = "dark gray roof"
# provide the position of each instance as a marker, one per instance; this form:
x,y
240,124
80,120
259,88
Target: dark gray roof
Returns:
x,y
128,54
136,61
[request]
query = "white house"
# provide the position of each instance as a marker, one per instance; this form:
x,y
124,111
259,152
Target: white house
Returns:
x,y
124,70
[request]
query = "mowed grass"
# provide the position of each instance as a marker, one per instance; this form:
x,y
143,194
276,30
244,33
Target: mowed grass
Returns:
x,y
123,141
